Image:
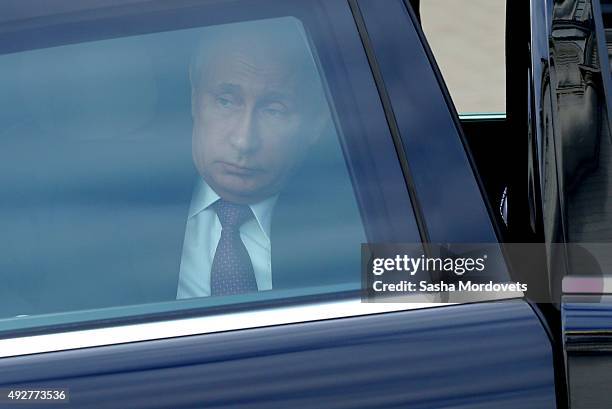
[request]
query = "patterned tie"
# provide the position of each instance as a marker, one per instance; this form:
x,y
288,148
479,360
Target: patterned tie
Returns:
x,y
232,270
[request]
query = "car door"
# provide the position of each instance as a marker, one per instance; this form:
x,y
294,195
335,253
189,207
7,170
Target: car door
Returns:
x,y
573,83
95,196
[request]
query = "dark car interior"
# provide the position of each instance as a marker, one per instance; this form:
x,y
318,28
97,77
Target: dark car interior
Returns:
x,y
506,171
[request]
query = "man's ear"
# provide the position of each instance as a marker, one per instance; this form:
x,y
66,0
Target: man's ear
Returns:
x,y
320,124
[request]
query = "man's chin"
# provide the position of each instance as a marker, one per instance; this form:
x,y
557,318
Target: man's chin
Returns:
x,y
244,194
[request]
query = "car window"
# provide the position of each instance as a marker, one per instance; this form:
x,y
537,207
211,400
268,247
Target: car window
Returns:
x,y
158,160
467,38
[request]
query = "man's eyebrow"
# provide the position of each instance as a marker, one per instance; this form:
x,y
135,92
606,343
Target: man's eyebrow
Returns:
x,y
274,96
228,87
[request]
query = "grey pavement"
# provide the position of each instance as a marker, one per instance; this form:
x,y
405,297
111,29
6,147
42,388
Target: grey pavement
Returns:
x,y
467,39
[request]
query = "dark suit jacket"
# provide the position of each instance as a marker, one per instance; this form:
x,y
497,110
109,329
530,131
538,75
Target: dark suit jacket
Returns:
x,y
316,236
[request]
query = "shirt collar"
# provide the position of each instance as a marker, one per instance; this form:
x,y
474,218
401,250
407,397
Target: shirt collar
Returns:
x,y
204,196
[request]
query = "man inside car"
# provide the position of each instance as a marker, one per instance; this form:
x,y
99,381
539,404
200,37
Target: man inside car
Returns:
x,y
257,109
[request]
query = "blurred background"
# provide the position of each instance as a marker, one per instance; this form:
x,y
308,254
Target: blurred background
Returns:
x,y
467,39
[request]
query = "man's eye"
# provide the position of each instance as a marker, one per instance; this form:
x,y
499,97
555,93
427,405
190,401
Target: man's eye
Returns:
x,y
224,102
227,100
276,110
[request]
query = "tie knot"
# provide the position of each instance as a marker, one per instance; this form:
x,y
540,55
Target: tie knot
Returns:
x,y
232,215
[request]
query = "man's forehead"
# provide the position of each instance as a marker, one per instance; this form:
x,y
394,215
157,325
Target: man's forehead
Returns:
x,y
233,70
267,59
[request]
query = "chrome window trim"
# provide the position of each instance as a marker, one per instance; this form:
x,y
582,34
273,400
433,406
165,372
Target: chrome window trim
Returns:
x,y
481,116
150,331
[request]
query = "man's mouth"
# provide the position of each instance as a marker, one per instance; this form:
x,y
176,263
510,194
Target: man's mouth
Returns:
x,y
238,169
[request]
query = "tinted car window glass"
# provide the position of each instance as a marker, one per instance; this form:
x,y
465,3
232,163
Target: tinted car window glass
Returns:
x,y
120,133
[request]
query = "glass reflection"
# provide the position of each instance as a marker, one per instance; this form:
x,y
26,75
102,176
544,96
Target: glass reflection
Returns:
x,y
575,142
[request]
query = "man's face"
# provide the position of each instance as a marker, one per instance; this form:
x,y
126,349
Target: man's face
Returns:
x,y
249,121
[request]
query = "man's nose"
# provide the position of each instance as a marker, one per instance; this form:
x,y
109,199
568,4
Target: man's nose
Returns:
x,y
245,138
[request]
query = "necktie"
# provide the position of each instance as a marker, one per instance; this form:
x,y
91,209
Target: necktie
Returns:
x,y
231,270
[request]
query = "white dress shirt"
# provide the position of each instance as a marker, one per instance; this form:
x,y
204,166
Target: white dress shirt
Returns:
x,y
202,235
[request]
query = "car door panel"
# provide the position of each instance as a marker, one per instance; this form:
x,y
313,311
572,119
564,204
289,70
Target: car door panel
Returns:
x,y
476,356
